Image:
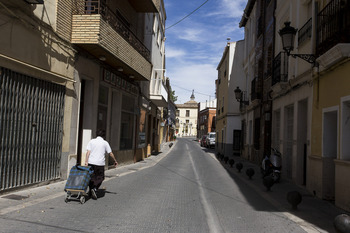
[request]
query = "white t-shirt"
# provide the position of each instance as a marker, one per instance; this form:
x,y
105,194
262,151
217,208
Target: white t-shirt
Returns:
x,y
98,147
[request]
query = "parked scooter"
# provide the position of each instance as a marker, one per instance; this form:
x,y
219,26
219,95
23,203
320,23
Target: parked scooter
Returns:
x,y
272,165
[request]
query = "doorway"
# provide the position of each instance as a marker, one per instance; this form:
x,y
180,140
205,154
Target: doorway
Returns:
x,y
329,153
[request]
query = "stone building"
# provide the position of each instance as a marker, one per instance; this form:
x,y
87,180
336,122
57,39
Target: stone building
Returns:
x,y
186,118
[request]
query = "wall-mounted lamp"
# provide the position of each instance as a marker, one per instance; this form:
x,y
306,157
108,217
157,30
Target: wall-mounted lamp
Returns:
x,y
288,35
120,69
35,1
240,96
131,76
102,58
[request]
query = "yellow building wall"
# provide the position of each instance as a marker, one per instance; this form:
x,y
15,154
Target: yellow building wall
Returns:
x,y
328,90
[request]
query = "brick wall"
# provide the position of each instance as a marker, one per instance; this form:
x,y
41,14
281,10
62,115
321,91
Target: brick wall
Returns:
x,y
64,18
86,29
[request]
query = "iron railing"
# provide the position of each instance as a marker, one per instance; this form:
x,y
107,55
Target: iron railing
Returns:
x,y
116,21
305,31
333,25
280,68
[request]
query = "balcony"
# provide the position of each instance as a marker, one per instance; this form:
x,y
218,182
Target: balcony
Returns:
x,y
145,5
280,69
304,32
333,26
101,32
158,93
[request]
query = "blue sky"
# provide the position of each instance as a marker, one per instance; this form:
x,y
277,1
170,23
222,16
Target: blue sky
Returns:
x,y
194,47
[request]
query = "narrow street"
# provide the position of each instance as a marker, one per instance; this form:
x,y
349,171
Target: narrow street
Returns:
x,y
187,191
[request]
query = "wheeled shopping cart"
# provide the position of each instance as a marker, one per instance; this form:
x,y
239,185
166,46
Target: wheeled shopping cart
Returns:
x,y
78,183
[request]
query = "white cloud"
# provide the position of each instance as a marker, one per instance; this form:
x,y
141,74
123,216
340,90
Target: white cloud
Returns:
x,y
195,46
185,77
192,34
174,52
231,9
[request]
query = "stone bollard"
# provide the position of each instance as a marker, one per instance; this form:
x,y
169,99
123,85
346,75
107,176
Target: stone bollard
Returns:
x,y
239,166
231,162
342,223
250,172
268,182
225,159
294,198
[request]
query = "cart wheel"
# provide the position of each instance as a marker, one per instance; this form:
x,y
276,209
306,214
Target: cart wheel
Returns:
x,y
82,200
66,200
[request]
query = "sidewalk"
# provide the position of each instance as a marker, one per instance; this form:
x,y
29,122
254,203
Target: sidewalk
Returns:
x,y
313,214
20,199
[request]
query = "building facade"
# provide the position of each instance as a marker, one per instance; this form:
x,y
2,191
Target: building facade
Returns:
x,y
303,99
228,117
328,164
75,67
206,118
186,118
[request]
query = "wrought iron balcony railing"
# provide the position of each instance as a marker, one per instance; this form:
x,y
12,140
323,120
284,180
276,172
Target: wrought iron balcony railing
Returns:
x,y
333,25
280,68
119,24
304,33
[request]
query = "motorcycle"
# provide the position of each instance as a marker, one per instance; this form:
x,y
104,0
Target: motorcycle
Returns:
x,y
272,165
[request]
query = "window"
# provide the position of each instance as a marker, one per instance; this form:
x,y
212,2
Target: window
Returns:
x,y
177,113
127,123
102,108
257,134
142,128
187,113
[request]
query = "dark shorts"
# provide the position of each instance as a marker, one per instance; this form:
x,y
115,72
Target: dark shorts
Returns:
x,y
97,177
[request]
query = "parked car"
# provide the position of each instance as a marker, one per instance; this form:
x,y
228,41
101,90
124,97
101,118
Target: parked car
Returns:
x,y
204,141
211,138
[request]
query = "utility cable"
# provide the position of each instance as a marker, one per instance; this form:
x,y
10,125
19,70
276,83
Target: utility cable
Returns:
x,y
187,15
196,92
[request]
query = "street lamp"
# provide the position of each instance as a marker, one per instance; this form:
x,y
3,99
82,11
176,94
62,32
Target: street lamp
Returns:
x,y
240,96
288,35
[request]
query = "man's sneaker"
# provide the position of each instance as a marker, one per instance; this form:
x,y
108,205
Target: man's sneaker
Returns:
x,y
93,193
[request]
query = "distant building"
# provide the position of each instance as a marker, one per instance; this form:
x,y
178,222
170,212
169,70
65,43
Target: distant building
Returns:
x,y
186,118
206,118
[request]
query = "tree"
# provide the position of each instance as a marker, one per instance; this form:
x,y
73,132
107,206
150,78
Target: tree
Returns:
x,y
173,97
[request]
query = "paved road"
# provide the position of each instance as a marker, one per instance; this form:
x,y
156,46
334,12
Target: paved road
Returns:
x,y
187,191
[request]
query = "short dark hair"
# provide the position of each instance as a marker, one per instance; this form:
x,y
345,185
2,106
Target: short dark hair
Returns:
x,y
101,133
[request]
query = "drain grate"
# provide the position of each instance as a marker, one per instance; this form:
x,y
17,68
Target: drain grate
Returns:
x,y
15,197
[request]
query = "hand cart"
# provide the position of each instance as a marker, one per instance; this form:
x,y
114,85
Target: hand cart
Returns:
x,y
78,183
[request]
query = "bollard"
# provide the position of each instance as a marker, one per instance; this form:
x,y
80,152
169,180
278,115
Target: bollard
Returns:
x,y
239,166
342,223
250,172
294,198
225,159
268,182
231,162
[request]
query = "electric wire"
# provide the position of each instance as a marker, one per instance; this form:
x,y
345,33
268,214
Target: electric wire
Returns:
x,y
187,15
196,92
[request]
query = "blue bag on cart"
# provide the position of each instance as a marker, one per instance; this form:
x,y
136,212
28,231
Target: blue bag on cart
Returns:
x,y
79,178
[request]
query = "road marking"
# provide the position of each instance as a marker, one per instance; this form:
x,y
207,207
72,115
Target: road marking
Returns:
x,y
212,219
